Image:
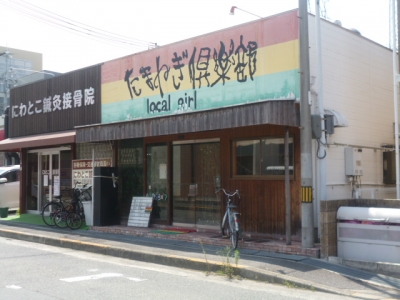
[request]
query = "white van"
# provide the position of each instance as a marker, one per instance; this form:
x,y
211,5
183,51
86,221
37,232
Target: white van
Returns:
x,y
9,186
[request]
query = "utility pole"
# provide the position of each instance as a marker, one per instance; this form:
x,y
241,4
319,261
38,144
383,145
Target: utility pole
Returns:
x,y
398,28
320,160
307,215
395,96
396,90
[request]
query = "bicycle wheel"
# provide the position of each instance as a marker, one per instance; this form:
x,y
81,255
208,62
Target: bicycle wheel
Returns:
x,y
48,212
225,226
60,219
74,220
234,239
234,234
80,210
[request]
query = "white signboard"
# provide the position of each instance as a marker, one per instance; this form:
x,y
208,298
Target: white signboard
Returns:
x,y
82,170
56,185
141,208
46,180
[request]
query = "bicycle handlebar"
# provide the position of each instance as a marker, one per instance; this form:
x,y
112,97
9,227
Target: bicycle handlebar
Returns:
x,y
229,194
84,186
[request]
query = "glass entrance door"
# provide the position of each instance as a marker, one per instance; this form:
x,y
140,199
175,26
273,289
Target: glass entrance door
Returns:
x,y
157,181
50,176
32,203
194,168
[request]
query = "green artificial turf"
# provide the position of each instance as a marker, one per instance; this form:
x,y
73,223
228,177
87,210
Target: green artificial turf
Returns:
x,y
33,219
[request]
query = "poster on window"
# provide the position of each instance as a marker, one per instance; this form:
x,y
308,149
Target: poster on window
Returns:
x,y
82,170
56,185
163,171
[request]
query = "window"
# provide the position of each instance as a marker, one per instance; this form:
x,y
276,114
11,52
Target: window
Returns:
x,y
261,157
389,167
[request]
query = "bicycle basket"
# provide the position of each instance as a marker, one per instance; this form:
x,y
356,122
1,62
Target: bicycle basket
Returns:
x,y
85,195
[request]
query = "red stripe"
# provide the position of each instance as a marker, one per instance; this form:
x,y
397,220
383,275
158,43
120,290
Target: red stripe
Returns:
x,y
266,32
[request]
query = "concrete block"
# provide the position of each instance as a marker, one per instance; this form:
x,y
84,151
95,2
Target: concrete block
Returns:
x,y
328,217
389,267
332,250
361,265
335,260
332,205
328,229
323,206
324,251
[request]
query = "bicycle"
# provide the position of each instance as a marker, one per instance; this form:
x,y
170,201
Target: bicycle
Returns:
x,y
71,215
230,223
51,209
76,216
61,217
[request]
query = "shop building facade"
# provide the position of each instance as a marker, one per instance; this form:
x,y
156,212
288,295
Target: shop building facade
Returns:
x,y
215,107
42,118
173,120
176,118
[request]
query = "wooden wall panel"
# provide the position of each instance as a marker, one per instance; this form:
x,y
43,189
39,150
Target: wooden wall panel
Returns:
x,y
230,117
56,120
263,201
262,206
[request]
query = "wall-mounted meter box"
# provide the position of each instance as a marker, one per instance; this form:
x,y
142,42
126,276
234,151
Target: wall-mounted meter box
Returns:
x,y
316,129
352,161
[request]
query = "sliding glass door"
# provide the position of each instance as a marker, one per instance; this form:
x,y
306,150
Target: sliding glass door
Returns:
x,y
194,168
49,177
157,181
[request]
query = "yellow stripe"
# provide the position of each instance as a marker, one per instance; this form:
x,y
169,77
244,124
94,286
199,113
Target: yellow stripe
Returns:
x,y
273,59
306,194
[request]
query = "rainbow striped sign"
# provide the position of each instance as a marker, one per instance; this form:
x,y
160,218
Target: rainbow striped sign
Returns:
x,y
257,61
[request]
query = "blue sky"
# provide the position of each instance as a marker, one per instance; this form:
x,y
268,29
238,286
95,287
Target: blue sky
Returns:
x,y
157,21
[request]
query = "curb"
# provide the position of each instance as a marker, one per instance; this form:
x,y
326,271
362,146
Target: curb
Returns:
x,y
202,265
366,265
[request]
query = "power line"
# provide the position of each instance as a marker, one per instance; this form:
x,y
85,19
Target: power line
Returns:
x,y
88,28
74,26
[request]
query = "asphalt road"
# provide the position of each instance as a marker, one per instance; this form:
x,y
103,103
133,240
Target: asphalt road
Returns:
x,y
36,271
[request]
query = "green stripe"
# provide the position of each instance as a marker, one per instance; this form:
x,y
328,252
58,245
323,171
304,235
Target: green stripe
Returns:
x,y
276,86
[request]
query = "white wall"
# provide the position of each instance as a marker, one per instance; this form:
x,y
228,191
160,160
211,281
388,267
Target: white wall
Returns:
x,y
358,82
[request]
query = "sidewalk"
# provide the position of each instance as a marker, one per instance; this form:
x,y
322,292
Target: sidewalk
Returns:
x,y
185,251
261,242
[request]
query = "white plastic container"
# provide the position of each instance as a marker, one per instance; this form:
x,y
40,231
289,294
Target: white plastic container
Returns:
x,y
88,209
369,234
